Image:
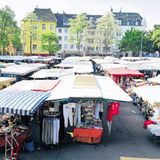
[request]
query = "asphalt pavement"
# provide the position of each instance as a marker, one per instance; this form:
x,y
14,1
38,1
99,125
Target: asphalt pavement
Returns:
x,y
128,139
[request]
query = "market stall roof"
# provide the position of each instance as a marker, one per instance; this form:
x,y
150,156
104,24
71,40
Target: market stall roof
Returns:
x,y
22,69
21,102
13,58
70,62
154,79
106,66
51,73
6,79
124,72
34,85
83,67
88,86
150,94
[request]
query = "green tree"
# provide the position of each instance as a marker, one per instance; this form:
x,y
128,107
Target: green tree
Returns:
x,y
16,39
77,28
7,27
106,31
50,42
156,35
29,28
136,41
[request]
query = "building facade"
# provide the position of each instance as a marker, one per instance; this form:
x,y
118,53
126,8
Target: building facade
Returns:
x,y
59,23
32,31
126,21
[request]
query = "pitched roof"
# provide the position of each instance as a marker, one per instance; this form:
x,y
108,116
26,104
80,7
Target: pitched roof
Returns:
x,y
63,18
131,17
45,15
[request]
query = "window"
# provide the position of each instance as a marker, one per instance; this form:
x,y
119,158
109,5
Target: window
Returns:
x,y
60,46
65,22
60,38
128,23
71,46
136,23
34,27
65,46
65,30
34,47
119,21
65,38
34,37
59,30
51,27
43,26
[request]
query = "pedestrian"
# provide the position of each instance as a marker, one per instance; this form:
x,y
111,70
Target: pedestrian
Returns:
x,y
101,110
94,65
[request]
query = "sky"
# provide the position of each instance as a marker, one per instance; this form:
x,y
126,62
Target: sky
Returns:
x,y
148,9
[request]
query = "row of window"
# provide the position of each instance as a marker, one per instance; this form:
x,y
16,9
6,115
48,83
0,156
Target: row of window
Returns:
x,y
65,38
128,23
66,46
35,27
60,30
119,21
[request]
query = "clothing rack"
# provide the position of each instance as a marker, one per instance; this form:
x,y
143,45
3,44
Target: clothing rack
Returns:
x,y
50,130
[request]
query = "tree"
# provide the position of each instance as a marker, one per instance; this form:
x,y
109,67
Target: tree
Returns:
x,y
77,29
106,30
7,27
156,35
16,40
29,28
50,42
136,41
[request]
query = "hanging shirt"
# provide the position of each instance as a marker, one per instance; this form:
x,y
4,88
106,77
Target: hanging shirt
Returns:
x,y
97,110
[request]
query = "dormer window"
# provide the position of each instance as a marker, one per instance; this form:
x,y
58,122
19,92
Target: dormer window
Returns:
x,y
136,23
128,23
119,21
65,22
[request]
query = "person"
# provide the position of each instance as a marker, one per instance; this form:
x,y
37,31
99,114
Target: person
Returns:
x,y
101,110
94,66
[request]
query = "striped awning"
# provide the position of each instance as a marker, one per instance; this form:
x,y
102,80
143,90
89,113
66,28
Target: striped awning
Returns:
x,y
21,102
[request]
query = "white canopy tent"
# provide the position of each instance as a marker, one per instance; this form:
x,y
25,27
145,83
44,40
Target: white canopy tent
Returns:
x,y
88,86
154,79
150,94
22,69
51,73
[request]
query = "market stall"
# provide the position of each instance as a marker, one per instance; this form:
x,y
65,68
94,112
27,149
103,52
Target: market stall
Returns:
x,y
16,107
21,71
85,95
123,76
5,82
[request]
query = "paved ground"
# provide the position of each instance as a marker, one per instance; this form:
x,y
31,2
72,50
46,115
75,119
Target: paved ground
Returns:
x,y
128,139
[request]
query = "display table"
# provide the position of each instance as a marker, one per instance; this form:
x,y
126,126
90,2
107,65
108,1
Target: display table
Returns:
x,y
20,137
87,135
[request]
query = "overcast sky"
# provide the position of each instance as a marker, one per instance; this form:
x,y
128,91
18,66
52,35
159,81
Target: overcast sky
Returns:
x,y
148,9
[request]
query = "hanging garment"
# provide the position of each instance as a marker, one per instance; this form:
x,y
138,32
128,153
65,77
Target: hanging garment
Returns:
x,y
97,110
115,108
77,115
50,130
68,113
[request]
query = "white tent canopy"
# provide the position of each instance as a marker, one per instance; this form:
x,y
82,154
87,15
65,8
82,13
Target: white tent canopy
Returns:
x,y
88,86
154,79
22,69
51,73
151,94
